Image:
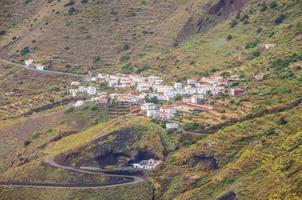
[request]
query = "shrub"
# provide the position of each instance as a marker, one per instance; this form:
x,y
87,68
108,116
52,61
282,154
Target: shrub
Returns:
x,y
233,23
94,108
27,142
69,110
178,97
270,131
280,19
192,126
282,121
71,10
153,99
25,51
142,69
27,1
2,33
125,47
126,69
229,37
256,53
96,60
35,135
84,1
259,30
251,45
273,5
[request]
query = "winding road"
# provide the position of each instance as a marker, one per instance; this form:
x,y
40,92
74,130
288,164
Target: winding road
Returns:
x,y
128,179
43,71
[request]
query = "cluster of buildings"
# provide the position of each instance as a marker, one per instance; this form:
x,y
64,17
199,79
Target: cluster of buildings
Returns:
x,y
29,63
191,96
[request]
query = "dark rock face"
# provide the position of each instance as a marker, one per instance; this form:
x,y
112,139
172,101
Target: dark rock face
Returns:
x,y
224,7
208,161
228,196
112,158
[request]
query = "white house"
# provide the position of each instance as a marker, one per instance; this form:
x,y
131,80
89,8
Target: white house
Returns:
x,y
195,99
112,82
40,67
203,89
155,80
191,82
148,106
190,90
91,90
146,164
28,62
75,83
73,92
269,46
172,126
143,87
78,103
82,88
177,86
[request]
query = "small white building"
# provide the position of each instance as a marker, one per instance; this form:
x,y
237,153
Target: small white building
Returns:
x,y
148,106
40,67
82,88
155,80
259,77
146,164
75,83
28,62
172,126
78,103
143,87
177,86
91,90
269,46
191,82
113,82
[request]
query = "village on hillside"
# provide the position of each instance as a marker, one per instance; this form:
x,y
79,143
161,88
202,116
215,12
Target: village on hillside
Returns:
x,y
150,96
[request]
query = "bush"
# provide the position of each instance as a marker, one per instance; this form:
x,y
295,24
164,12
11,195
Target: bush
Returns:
x,y
126,69
25,51
273,5
153,99
192,126
69,110
125,47
256,53
27,142
229,37
96,60
71,10
178,97
142,69
251,45
94,108
27,1
2,33
270,131
233,23
35,135
84,1
280,19
282,121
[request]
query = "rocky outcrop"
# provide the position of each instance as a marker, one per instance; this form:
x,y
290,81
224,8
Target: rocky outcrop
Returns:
x,y
224,7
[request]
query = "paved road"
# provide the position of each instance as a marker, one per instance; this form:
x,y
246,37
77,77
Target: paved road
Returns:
x,y
92,171
44,71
